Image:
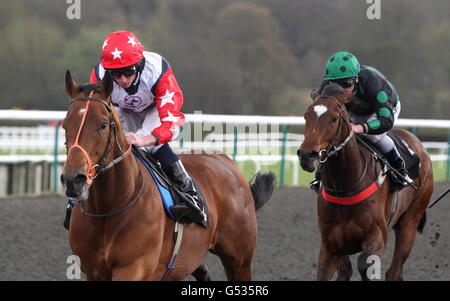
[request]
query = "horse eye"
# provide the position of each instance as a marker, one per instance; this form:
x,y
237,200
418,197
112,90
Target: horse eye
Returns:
x,y
334,119
104,125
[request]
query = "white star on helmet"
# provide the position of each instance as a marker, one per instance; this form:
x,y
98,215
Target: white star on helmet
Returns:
x,y
116,54
131,41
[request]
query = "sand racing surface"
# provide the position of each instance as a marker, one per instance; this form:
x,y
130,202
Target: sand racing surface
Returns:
x,y
34,245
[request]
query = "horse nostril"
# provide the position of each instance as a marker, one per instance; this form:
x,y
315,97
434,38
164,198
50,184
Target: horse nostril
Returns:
x,y
80,180
63,180
313,154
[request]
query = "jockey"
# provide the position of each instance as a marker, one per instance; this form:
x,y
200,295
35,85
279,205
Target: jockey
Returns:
x,y
146,94
373,110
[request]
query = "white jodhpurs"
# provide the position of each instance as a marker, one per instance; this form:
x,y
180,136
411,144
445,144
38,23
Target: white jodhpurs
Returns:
x,y
146,120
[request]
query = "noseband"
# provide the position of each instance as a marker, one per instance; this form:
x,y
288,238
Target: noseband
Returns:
x,y
95,170
331,149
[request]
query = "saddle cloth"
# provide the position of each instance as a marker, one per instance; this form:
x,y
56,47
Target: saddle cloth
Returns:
x,y
169,194
412,160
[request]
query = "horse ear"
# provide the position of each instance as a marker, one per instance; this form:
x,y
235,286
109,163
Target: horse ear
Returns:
x,y
314,94
345,98
72,88
107,83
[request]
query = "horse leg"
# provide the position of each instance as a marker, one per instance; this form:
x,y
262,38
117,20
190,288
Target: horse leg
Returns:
x,y
344,269
236,260
373,245
235,248
327,264
236,269
201,273
405,234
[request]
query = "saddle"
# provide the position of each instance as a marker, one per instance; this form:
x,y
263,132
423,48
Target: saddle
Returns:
x,y
170,195
412,160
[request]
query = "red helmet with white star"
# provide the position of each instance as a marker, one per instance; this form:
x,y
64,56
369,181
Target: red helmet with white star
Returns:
x,y
121,49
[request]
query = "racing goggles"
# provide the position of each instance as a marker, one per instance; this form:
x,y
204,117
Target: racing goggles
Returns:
x,y
124,71
346,82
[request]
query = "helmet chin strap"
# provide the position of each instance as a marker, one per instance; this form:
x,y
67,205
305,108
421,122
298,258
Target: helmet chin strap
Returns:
x,y
133,88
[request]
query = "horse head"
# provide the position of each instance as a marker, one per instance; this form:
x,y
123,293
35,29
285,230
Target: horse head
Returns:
x,y
90,125
325,119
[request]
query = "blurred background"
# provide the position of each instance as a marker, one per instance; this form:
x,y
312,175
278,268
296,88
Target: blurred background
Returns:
x,y
231,57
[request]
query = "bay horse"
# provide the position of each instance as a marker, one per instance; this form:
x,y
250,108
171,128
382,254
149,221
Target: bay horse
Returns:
x,y
349,170
135,243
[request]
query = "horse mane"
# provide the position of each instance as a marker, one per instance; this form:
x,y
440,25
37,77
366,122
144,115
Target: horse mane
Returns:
x,y
332,89
87,88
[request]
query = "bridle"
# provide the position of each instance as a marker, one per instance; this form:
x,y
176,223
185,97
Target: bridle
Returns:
x,y
331,149
95,170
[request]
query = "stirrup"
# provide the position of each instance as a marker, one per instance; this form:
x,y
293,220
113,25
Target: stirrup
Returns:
x,y
185,213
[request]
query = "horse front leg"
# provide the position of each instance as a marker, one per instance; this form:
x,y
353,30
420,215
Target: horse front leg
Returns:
x,y
327,264
373,245
344,269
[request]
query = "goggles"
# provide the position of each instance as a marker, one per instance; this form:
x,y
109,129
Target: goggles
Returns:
x,y
119,72
346,82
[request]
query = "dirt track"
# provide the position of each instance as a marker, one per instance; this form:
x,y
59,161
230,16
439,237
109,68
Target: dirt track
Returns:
x,y
34,245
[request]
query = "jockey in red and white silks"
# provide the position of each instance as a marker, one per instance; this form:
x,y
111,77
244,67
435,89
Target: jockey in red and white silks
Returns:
x,y
153,101
148,97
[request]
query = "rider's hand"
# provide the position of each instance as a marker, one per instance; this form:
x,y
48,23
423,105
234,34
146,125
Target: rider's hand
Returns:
x,y
133,139
357,129
140,141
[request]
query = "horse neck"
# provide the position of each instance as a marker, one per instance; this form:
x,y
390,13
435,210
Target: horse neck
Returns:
x,y
344,169
115,188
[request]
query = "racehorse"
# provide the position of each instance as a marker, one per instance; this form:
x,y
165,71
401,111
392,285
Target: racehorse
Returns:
x,y
122,232
348,171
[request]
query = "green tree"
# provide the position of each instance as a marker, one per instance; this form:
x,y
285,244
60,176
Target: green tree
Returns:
x,y
246,38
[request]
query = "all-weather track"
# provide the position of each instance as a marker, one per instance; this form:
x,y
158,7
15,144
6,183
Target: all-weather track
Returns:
x,y
34,245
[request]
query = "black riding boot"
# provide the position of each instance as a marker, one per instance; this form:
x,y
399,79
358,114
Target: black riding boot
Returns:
x,y
397,162
189,209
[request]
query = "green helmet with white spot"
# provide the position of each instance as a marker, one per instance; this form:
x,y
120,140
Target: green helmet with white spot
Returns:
x,y
342,64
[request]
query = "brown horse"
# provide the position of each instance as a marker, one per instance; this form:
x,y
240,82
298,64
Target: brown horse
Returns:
x,y
133,236
349,170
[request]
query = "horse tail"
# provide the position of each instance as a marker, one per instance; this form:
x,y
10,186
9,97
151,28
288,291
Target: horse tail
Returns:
x,y
422,223
262,188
